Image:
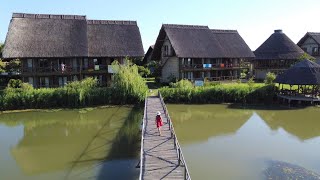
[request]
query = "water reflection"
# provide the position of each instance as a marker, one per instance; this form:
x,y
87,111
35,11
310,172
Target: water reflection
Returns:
x,y
72,144
206,120
223,143
304,124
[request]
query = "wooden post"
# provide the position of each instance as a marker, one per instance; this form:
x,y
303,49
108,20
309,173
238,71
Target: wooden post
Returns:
x,y
179,155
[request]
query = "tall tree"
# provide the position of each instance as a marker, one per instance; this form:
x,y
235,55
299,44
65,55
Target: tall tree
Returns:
x,y
1,48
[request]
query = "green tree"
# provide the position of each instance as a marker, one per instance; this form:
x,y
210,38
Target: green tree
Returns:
x,y
270,77
306,56
2,66
13,65
14,83
144,72
1,49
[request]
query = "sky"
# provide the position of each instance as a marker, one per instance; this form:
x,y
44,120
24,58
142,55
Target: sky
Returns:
x,y
255,20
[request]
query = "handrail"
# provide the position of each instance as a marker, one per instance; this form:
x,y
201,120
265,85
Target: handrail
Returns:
x,y
142,136
176,142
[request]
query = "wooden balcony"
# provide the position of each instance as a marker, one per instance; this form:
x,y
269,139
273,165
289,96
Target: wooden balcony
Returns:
x,y
204,67
280,67
48,71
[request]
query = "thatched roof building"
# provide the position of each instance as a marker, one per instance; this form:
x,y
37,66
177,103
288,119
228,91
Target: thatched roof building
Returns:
x,y
278,47
41,35
51,36
114,39
190,41
147,56
303,73
314,35
232,43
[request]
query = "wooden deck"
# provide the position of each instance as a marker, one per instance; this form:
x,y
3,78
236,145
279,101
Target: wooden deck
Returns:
x,y
160,157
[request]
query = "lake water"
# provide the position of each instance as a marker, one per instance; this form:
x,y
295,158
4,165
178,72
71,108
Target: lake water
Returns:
x,y
100,143
226,142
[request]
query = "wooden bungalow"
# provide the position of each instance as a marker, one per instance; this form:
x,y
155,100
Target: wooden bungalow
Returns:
x,y
310,43
147,56
56,49
197,52
305,75
275,55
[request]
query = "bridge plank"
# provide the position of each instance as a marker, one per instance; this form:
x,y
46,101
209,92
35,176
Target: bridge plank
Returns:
x,y
160,155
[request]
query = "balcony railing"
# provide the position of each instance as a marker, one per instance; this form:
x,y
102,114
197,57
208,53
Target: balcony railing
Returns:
x,y
271,66
67,69
215,66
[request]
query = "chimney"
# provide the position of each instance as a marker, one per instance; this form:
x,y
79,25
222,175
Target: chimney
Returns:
x,y
278,31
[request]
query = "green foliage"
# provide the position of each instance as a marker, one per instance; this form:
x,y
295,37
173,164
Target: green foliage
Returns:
x,y
128,83
13,65
172,78
155,68
14,83
224,93
128,88
1,49
144,72
270,77
2,66
306,56
250,82
184,83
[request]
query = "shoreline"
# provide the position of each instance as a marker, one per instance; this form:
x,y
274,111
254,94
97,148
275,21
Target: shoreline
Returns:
x,y
60,109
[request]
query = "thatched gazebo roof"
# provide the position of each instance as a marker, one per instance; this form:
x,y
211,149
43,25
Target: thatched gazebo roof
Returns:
x,y
189,41
278,47
303,73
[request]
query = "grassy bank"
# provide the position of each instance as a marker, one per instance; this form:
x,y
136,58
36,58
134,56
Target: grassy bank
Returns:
x,y
220,93
128,88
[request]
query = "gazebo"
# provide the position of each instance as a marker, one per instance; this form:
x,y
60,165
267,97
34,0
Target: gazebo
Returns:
x,y
305,75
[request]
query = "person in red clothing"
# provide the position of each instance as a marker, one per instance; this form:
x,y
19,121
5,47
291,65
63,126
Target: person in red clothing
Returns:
x,y
159,122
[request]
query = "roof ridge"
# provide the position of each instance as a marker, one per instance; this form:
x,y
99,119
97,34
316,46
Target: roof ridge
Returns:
x,y
118,22
224,31
318,33
185,26
48,16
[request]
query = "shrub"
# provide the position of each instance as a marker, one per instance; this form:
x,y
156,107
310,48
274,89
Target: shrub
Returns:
x,y
229,93
184,83
14,83
270,77
128,88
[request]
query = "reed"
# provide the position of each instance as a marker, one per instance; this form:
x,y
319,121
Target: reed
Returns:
x,y
128,88
222,93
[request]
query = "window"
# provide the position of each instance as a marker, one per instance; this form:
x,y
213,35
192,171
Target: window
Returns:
x,y
315,51
62,81
43,65
166,50
30,81
44,82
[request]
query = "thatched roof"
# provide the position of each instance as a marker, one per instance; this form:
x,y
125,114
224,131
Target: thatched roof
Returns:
x,y
313,35
303,73
148,54
278,46
114,39
42,35
232,43
190,41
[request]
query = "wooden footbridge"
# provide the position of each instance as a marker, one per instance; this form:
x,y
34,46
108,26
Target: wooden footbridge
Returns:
x,y
161,156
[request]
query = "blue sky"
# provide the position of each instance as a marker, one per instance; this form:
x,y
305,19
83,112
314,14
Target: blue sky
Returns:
x,y
255,20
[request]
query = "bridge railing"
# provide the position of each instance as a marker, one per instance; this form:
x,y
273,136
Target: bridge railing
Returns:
x,y
181,160
144,120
